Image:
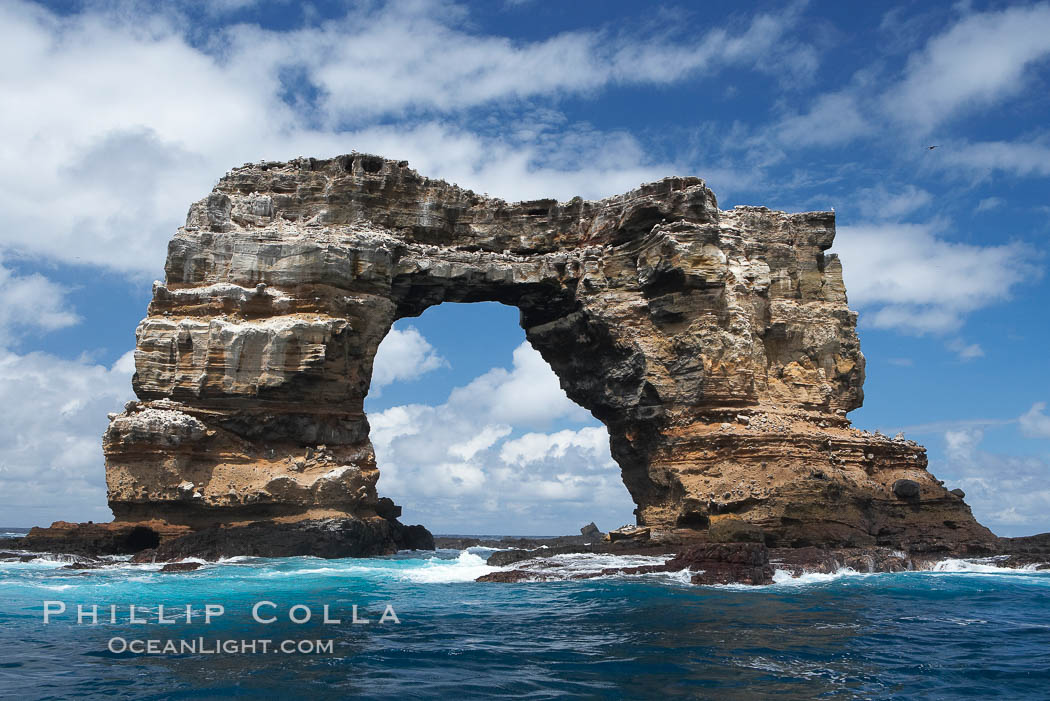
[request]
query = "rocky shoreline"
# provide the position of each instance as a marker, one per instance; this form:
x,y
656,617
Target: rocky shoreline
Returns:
x,y
741,556
751,563
325,538
747,562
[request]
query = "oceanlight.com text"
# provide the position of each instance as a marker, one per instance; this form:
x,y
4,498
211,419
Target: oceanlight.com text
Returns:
x,y
201,646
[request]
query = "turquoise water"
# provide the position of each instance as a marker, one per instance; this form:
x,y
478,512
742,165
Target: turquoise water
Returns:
x,y
973,633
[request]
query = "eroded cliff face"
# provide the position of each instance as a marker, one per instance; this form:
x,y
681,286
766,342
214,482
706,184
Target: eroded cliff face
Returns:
x,y
716,346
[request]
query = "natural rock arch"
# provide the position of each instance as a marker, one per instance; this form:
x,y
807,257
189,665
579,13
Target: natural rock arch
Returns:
x,y
716,346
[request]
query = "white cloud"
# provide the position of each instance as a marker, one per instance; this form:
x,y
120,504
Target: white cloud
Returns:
x,y
484,439
981,159
980,60
534,447
394,423
880,203
834,118
120,119
961,444
1035,423
458,467
965,351
987,204
54,413
403,355
406,56
902,276
527,395
1008,493
31,302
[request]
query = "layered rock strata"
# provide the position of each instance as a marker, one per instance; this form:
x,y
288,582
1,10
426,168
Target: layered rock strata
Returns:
x,y
716,346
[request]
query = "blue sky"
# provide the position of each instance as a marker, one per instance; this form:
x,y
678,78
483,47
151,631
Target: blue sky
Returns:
x,y
117,115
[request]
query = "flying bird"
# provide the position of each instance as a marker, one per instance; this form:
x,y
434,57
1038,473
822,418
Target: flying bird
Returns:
x,y
932,147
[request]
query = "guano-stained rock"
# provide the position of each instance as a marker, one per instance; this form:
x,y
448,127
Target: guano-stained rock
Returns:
x,y
716,346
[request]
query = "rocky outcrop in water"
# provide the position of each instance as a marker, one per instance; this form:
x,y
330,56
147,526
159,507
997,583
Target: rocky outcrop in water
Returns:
x,y
716,346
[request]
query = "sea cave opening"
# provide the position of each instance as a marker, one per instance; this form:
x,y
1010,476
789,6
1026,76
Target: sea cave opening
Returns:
x,y
474,435
141,538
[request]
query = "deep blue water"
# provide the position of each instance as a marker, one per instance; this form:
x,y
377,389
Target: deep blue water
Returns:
x,y
970,634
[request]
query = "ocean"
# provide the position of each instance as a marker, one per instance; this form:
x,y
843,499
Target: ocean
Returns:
x,y
968,630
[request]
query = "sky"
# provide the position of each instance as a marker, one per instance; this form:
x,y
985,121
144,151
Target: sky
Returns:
x,y
117,115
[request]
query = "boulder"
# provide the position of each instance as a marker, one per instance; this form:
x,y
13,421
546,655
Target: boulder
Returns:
x,y
906,489
631,534
591,531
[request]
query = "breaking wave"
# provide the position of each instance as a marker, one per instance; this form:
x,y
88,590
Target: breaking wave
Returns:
x,y
465,568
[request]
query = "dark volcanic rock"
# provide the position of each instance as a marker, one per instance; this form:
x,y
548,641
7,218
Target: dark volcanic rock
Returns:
x,y
509,576
906,489
330,538
1026,545
415,537
461,543
20,557
386,508
726,563
801,560
591,531
713,563
85,565
1026,550
91,539
502,558
457,543
180,567
754,563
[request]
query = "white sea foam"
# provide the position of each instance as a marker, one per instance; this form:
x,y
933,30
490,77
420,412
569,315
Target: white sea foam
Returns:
x,y
573,565
465,568
38,563
785,577
983,566
198,560
590,562
323,571
680,576
792,668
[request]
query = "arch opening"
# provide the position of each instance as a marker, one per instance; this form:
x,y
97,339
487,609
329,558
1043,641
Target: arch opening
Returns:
x,y
474,434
